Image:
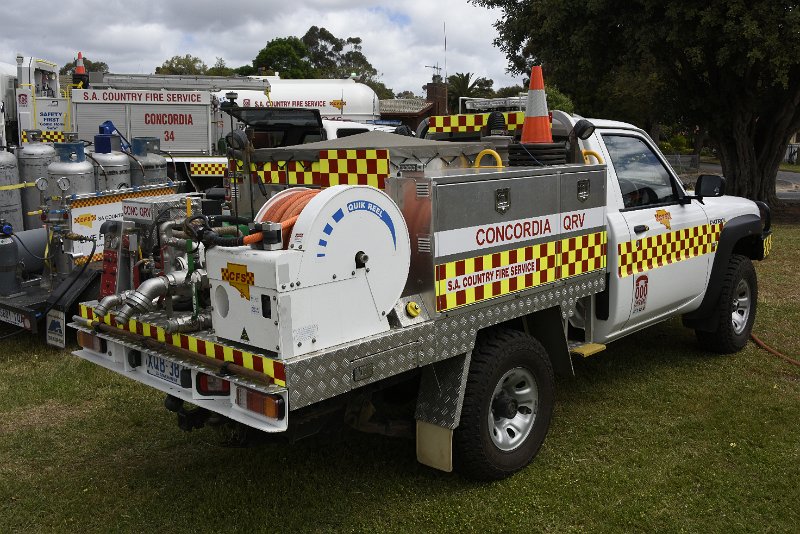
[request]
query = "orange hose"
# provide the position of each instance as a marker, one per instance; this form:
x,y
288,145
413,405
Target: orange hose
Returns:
x,y
286,211
772,351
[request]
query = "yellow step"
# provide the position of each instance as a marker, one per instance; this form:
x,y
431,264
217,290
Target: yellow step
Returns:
x,y
587,349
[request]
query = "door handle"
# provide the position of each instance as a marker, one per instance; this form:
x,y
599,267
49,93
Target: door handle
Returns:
x,y
639,228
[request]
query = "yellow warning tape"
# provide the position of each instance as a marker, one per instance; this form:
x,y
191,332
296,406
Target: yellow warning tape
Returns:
x,y
17,186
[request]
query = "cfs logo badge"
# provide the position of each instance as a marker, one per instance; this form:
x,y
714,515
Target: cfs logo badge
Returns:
x,y
85,220
640,294
665,218
239,278
338,104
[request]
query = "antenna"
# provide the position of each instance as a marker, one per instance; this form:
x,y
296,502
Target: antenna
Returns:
x,y
446,84
436,68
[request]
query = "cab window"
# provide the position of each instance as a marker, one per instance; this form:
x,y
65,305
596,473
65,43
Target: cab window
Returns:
x,y
643,179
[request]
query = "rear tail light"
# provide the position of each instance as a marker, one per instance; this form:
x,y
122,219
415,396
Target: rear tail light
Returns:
x,y
212,385
272,406
91,342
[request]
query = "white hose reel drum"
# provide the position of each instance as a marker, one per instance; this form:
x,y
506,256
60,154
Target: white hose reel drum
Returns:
x,y
344,225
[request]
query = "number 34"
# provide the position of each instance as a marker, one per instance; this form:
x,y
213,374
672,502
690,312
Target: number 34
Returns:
x,y
169,135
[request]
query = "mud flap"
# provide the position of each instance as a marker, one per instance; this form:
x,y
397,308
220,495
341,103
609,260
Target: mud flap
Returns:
x,y
441,394
435,446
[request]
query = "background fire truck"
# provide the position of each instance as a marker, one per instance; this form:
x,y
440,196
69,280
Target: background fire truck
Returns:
x,y
183,112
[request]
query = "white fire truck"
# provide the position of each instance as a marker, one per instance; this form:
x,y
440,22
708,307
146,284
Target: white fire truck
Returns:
x,y
183,112
469,286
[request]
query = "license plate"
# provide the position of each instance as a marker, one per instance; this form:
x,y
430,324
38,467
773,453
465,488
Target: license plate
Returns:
x,y
8,316
163,369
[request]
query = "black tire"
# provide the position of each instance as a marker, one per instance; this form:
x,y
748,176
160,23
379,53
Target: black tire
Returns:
x,y
497,353
735,310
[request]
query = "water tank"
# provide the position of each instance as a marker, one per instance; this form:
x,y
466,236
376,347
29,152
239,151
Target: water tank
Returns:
x,y
33,158
112,168
70,174
147,167
10,204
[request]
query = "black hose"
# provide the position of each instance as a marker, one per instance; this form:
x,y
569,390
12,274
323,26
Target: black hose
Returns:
x,y
214,220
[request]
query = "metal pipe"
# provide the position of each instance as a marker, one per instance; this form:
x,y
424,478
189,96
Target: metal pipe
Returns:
x,y
142,299
188,323
110,302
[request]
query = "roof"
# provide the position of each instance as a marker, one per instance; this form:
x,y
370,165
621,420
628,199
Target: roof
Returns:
x,y
399,146
405,105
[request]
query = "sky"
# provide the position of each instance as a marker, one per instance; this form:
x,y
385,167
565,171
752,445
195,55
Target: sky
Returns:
x,y
399,38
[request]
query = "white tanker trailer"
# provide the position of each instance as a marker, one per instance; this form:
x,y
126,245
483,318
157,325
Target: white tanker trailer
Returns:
x,y
335,99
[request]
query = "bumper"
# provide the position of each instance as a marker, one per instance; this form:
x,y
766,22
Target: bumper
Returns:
x,y
127,359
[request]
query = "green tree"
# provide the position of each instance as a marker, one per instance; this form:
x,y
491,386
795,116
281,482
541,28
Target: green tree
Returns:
x,y
461,84
91,66
512,90
558,100
287,56
220,69
383,92
408,94
245,70
731,67
188,64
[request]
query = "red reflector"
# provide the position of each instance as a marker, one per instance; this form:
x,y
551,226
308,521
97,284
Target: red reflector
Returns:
x,y
271,406
91,342
212,385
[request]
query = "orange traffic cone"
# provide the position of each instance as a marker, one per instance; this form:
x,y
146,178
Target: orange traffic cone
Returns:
x,y
536,128
79,68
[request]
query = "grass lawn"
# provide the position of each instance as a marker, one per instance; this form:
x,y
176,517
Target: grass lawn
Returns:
x,y
651,435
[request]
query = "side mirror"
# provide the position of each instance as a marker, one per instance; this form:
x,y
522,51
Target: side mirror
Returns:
x,y
709,185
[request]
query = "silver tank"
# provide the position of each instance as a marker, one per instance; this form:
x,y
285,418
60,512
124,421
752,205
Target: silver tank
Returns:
x,y
112,168
33,158
10,204
147,167
70,174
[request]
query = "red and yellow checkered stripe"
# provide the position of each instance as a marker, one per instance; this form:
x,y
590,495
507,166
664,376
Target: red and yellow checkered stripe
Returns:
x,y
46,137
110,199
275,370
334,167
493,275
471,123
642,255
207,169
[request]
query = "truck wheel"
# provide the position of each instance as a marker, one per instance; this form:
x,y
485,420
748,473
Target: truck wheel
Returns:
x,y
507,406
736,308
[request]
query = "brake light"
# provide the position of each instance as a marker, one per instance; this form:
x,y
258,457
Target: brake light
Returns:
x,y
212,385
91,342
272,406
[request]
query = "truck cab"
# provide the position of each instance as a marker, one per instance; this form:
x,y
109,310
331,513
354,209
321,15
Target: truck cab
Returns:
x,y
668,248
